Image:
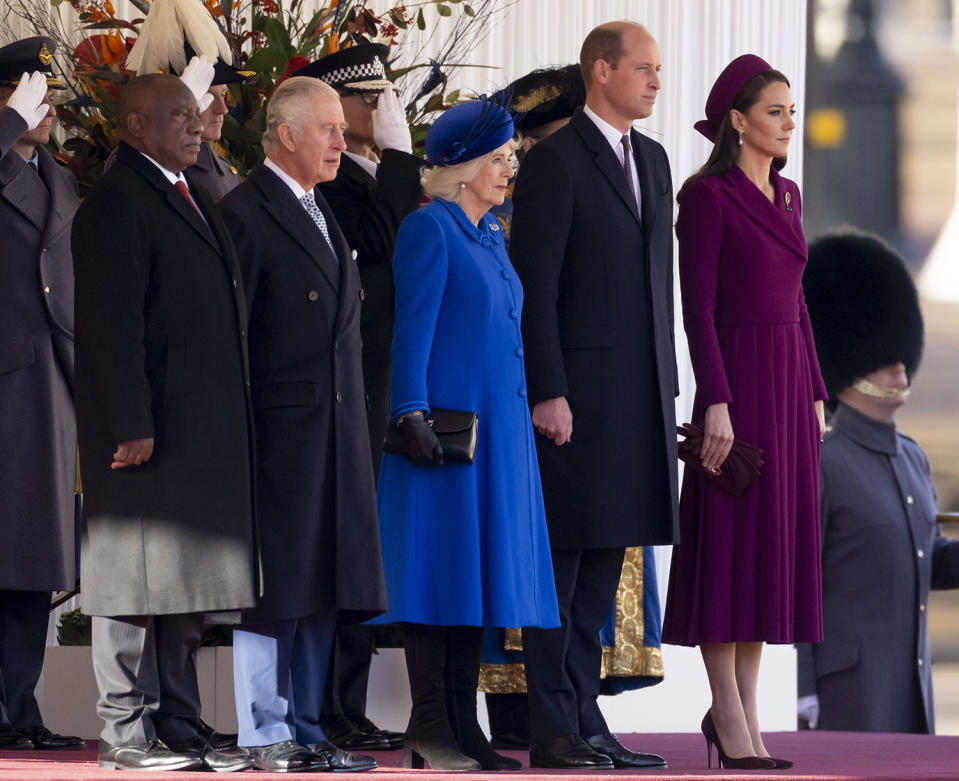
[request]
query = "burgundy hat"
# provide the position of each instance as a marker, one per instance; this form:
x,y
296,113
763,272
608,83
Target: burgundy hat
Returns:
x,y
724,91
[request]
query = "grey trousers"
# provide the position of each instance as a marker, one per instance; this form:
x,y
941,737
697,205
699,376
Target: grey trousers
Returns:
x,y
146,673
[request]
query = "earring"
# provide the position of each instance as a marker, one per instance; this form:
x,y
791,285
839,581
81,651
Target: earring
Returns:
x,y
463,184
740,137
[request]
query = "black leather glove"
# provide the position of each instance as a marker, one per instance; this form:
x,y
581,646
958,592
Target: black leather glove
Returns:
x,y
421,445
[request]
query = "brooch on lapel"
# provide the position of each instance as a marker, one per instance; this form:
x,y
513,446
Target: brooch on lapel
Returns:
x,y
788,198
494,226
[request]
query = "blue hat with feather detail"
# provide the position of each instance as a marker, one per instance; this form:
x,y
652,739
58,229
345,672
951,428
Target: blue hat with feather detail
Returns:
x,y
469,130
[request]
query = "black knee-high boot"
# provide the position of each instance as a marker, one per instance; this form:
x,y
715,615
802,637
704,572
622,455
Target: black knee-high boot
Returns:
x,y
463,651
429,737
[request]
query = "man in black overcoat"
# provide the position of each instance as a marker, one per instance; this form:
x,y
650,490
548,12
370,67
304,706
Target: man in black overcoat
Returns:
x,y
369,197
165,430
592,244
315,498
38,436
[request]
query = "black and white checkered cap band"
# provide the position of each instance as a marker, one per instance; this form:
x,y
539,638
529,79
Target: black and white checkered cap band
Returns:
x,y
367,75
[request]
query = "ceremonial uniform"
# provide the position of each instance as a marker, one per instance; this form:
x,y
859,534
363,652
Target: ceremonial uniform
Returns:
x,y
882,552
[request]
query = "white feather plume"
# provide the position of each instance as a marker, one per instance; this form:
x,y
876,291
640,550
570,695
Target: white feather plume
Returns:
x,y
160,43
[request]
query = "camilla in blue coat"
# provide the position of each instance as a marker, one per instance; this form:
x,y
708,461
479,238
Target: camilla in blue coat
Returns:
x,y
464,546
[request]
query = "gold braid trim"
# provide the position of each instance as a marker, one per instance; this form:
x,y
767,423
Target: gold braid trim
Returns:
x,y
627,658
502,678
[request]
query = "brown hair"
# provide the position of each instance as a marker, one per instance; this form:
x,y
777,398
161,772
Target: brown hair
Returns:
x,y
726,147
604,43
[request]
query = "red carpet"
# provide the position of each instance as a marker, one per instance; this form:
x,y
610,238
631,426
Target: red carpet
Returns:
x,y
819,756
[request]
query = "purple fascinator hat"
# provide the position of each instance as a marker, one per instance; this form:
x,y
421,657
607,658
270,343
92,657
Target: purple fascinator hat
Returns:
x,y
724,91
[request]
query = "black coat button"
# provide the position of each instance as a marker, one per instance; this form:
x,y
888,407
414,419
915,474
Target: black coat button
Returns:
x,y
339,397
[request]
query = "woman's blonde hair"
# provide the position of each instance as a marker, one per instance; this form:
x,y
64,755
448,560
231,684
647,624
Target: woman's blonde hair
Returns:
x,y
443,181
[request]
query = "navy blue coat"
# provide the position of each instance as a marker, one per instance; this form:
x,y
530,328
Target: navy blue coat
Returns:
x,y
316,504
598,329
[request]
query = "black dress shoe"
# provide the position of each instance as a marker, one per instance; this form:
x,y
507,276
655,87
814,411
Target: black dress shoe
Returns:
x,y
221,741
44,740
152,755
346,733
394,740
568,751
287,756
218,761
13,740
340,761
622,757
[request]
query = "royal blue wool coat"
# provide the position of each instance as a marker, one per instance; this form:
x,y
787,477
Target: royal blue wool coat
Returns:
x,y
463,544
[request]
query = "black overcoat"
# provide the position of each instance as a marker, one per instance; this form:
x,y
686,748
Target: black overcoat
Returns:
x,y
598,329
369,212
160,335
316,501
37,423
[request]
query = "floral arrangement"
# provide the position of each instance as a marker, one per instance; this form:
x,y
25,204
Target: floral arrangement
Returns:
x,y
272,38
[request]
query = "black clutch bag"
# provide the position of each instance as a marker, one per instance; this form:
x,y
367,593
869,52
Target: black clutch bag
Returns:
x,y
742,466
455,429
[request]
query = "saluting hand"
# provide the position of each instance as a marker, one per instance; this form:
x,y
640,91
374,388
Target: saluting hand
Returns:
x,y
132,452
29,99
717,436
198,76
390,130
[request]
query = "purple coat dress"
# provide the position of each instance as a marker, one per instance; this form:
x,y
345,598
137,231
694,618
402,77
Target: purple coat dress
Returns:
x,y
748,568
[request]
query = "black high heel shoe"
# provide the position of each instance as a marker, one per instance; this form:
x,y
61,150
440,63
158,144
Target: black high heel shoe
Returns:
x,y
730,763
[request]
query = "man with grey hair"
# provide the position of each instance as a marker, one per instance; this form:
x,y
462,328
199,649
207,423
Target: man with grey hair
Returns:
x,y
316,506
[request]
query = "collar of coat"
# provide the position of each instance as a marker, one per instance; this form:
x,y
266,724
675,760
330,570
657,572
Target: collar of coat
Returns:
x,y
779,218
289,214
488,231
208,227
871,434
609,165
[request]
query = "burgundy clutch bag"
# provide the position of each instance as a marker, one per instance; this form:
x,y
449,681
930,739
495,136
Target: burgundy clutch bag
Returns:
x,y
740,470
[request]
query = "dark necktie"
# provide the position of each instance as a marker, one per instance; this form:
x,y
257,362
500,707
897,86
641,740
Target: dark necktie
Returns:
x,y
309,203
181,186
628,164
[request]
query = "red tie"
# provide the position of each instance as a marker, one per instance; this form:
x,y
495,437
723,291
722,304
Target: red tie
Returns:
x,y
181,186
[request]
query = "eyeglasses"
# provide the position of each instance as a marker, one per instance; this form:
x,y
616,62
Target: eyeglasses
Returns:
x,y
369,98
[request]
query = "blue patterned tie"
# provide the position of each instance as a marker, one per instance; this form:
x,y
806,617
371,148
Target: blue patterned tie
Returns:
x,y
309,203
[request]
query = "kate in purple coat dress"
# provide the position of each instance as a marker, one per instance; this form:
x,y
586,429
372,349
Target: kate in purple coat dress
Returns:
x,y
747,570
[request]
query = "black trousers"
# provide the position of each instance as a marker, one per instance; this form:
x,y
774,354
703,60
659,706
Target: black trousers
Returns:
x,y
563,665
24,616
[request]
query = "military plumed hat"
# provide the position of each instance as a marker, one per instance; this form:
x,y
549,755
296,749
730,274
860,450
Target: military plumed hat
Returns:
x,y
545,95
863,306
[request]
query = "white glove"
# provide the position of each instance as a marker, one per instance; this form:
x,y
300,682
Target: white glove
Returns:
x,y
29,98
808,708
198,76
390,130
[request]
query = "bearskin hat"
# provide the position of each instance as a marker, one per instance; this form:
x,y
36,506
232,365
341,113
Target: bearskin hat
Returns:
x,y
863,305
